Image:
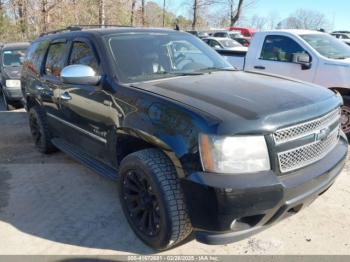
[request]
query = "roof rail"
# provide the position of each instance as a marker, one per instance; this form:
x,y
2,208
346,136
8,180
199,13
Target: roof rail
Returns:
x,y
79,28
69,29
99,26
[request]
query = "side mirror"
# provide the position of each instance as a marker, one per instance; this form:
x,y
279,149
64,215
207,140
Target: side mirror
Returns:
x,y
79,75
217,47
303,59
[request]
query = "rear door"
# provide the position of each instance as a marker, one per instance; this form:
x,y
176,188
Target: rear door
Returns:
x,y
49,87
276,57
87,108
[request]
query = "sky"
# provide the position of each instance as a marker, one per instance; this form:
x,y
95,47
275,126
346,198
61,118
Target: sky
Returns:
x,y
336,11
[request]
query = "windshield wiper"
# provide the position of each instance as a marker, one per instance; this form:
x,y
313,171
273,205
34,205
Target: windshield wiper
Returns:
x,y
178,73
188,73
218,69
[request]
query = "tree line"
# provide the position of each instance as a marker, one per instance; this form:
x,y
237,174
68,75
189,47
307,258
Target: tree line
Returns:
x,y
26,19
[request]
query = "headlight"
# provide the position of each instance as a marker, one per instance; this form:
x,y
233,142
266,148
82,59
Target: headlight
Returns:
x,y
11,83
234,154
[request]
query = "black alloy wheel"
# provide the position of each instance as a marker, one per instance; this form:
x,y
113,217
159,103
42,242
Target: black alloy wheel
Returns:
x,y
40,131
152,199
142,203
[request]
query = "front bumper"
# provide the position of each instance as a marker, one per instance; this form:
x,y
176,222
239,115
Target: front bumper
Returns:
x,y
13,94
228,208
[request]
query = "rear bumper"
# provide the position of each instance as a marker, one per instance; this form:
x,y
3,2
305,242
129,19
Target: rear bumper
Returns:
x,y
229,208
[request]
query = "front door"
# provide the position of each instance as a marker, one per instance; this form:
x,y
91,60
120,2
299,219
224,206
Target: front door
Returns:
x,y
87,108
277,58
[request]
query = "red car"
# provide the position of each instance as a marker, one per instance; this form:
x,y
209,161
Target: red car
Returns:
x,y
247,32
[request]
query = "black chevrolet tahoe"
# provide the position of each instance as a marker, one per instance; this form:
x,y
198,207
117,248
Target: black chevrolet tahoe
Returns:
x,y
198,149
11,59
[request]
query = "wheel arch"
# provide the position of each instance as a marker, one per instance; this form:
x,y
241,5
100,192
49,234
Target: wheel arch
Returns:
x,y
129,140
341,90
30,102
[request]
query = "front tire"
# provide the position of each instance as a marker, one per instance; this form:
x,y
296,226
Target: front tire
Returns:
x,y
152,199
40,130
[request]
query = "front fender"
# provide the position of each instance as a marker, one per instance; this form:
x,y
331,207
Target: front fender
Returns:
x,y
172,128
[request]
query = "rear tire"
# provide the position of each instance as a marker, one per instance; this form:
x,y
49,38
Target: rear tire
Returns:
x,y
152,199
40,130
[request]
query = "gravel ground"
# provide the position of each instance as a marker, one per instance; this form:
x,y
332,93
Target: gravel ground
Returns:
x,y
53,205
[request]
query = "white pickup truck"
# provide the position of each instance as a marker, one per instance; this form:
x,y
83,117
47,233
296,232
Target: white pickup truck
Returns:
x,y
305,55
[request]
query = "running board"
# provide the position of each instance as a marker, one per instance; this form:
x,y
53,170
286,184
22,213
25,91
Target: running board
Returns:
x,y
97,166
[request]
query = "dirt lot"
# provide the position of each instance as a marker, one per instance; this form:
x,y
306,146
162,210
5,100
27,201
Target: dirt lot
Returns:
x,y
53,205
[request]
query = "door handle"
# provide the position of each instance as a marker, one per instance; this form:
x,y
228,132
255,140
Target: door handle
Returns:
x,y
65,96
260,67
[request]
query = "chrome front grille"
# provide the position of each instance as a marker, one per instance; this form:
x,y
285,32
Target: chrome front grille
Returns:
x,y
306,155
322,134
294,132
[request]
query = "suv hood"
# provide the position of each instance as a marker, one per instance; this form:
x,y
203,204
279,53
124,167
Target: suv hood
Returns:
x,y
259,102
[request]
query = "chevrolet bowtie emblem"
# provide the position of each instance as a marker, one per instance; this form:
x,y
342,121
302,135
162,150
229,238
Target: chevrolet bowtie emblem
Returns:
x,y
322,134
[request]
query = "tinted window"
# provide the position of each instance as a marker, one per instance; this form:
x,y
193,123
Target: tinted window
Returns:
x,y
13,57
35,56
280,48
55,59
83,55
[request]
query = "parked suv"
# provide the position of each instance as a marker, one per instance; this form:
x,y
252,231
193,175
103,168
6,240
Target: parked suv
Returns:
x,y
11,59
195,145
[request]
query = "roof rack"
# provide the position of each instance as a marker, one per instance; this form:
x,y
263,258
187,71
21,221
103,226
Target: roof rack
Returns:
x,y
80,28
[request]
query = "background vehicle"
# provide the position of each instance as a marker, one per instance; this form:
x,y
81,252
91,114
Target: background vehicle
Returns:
x,y
237,36
194,144
11,59
199,34
247,32
224,44
345,37
310,56
233,55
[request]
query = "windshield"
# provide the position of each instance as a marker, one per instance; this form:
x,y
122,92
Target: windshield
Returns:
x,y
149,56
13,57
328,46
228,43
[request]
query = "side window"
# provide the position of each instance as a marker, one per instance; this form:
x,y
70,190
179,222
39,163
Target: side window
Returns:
x,y
35,56
55,59
280,48
83,55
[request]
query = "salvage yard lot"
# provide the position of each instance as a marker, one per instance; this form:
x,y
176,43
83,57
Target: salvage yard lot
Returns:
x,y
53,205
